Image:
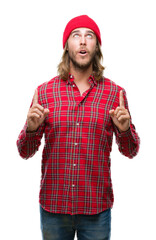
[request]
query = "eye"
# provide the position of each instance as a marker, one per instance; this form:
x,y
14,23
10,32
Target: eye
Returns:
x,y
76,35
89,35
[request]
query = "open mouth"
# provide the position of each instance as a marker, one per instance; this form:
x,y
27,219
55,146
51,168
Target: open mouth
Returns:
x,y
83,52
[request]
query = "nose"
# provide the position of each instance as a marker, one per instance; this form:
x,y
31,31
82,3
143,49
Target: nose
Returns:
x,y
83,40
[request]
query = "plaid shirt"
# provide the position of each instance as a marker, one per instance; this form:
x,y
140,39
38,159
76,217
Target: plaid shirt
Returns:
x,y
76,176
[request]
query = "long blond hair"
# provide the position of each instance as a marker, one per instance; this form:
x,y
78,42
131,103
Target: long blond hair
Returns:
x,y
63,67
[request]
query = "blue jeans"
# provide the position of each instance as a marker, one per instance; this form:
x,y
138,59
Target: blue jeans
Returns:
x,y
55,226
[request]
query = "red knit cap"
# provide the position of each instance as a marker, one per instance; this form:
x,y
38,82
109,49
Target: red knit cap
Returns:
x,y
81,21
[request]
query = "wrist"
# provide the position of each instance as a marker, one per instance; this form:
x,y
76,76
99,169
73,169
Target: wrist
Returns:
x,y
121,131
29,130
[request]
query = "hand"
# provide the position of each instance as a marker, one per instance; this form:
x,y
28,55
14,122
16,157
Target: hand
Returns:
x,y
36,114
120,115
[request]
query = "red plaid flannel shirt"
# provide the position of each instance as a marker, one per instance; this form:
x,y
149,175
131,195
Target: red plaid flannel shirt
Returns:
x,y
76,175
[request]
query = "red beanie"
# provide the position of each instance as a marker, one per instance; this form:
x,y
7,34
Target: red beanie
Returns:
x,y
81,21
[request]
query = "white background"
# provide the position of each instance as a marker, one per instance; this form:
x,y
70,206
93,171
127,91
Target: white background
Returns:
x,y
30,50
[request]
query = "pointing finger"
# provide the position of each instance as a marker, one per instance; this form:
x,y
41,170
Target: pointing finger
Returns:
x,y
35,99
121,99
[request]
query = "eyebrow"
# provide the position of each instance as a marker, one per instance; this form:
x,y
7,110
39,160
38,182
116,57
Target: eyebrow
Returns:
x,y
77,31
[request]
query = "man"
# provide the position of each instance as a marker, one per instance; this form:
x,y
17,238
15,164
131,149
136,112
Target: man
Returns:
x,y
78,111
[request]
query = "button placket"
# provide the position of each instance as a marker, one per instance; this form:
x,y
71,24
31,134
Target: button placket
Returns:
x,y
75,166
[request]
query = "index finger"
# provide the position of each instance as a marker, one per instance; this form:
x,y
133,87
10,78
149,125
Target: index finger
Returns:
x,y
121,99
35,98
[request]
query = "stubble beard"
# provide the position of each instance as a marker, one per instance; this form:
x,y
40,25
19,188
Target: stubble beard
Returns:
x,y
82,66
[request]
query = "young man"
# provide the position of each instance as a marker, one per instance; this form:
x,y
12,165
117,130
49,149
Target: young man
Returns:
x,y
78,111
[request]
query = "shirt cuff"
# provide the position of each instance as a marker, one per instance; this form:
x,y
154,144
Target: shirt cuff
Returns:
x,y
30,135
127,134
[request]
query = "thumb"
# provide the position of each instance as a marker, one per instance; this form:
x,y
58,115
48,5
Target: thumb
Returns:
x,y
46,112
111,112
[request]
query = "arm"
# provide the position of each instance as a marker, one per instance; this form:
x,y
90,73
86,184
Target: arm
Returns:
x,y
128,142
28,142
29,139
126,137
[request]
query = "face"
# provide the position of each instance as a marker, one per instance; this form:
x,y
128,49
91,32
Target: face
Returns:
x,y
82,45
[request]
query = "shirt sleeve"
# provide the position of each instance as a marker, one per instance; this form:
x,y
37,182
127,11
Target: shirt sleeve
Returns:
x,y
128,142
28,143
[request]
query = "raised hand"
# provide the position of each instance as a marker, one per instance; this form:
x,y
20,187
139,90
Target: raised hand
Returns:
x,y
36,114
120,115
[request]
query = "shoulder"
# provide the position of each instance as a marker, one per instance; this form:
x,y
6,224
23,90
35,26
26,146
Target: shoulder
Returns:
x,y
109,84
49,84
111,90
45,90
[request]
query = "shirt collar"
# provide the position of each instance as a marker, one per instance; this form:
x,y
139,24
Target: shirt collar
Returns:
x,y
91,79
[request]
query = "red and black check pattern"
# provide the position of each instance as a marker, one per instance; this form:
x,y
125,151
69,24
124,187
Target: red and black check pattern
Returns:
x,y
76,176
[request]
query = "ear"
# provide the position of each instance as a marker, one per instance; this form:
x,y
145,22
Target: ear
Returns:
x,y
66,46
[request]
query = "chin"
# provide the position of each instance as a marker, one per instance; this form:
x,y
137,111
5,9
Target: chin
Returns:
x,y
82,63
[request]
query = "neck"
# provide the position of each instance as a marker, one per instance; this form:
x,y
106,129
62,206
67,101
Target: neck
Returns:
x,y
80,75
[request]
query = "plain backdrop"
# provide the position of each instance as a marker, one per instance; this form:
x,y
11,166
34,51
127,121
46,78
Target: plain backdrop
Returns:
x,y
30,50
